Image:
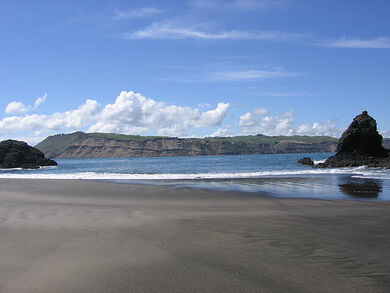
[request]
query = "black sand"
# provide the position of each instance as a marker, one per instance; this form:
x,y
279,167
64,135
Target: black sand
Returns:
x,y
87,236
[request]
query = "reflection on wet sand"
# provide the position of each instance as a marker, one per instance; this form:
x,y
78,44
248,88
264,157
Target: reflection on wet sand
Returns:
x,y
332,186
364,188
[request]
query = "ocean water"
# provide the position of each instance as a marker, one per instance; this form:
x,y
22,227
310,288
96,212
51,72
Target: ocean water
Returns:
x,y
273,175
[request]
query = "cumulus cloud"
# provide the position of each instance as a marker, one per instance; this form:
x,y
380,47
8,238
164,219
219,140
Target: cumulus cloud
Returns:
x,y
328,128
212,117
131,113
82,116
255,123
40,100
260,121
75,119
20,108
221,132
134,110
16,108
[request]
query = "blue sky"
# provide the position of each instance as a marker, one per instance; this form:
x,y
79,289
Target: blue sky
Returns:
x,y
192,68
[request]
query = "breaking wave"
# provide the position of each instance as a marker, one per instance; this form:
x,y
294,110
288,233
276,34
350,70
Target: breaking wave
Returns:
x,y
358,172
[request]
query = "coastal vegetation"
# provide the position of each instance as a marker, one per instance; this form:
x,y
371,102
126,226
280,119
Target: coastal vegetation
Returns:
x,y
106,145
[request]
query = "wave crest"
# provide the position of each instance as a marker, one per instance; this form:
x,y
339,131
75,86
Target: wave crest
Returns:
x,y
362,172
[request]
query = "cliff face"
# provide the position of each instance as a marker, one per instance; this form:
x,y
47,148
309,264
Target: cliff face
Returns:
x,y
82,145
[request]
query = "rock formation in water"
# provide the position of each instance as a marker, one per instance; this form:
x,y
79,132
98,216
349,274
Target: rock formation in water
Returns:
x,y
360,145
306,161
18,154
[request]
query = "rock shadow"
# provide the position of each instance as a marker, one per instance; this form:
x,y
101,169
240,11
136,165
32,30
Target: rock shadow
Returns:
x,y
361,188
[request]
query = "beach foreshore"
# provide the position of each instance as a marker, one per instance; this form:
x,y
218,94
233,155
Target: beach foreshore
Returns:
x,y
95,236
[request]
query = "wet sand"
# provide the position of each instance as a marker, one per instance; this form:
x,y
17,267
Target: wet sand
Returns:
x,y
88,236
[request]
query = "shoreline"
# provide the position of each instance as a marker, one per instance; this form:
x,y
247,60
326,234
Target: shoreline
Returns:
x,y
96,236
342,187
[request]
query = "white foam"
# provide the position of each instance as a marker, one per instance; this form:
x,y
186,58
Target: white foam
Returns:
x,y
362,172
21,169
316,162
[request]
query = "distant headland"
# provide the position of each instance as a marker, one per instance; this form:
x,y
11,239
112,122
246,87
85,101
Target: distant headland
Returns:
x,y
109,145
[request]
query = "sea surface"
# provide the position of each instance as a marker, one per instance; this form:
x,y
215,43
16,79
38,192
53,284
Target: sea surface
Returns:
x,y
273,175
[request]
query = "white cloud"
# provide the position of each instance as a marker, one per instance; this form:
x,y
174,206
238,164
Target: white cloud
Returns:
x,y
81,117
136,13
174,130
22,123
260,121
213,117
20,108
377,43
233,76
31,140
238,4
39,101
328,128
260,111
131,113
384,133
75,119
221,132
134,110
204,105
16,108
242,75
172,30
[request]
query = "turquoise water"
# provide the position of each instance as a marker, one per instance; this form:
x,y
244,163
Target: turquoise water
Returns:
x,y
275,175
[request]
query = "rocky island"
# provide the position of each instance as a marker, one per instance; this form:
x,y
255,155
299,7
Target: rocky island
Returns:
x,y
360,145
18,154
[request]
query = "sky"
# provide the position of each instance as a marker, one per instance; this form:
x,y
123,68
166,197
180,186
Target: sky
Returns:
x,y
195,68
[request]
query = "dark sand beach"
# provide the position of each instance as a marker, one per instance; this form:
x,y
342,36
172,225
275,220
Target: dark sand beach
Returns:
x,y
89,236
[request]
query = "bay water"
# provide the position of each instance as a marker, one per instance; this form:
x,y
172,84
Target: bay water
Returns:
x,y
272,175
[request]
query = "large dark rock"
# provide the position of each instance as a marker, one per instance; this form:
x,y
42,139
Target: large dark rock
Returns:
x,y
360,145
18,154
306,161
362,138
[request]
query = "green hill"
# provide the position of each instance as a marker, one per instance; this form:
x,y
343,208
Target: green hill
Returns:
x,y
110,145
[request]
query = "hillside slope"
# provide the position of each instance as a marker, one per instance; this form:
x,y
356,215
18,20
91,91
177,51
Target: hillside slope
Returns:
x,y
107,145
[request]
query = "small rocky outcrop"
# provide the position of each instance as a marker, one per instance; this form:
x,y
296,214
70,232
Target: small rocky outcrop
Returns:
x,y
360,145
18,154
306,161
